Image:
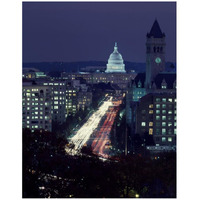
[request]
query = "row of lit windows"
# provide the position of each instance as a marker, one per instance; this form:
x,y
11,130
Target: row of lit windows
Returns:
x,y
158,124
165,99
54,84
164,112
61,98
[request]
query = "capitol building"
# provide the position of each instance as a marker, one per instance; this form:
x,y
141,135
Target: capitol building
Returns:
x,y
115,62
115,73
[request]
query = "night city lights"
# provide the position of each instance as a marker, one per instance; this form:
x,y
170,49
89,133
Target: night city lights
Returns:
x,y
99,95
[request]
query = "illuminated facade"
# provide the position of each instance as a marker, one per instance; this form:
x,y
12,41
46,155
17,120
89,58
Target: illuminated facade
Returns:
x,y
36,105
156,115
58,88
115,62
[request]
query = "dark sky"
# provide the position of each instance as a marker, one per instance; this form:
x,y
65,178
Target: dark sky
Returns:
x,y
83,31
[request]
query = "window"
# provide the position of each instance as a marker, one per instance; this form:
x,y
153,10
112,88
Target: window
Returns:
x,y
174,131
150,131
170,112
163,139
150,111
163,131
157,131
169,117
157,123
151,106
157,117
163,105
170,99
55,102
55,107
157,105
169,139
163,111
157,111
150,123
169,124
157,99
163,123
163,117
164,99
169,131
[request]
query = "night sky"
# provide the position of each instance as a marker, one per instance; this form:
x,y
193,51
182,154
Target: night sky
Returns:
x,y
78,31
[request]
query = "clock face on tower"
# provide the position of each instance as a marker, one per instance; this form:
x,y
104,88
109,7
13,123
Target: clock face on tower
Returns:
x,y
158,60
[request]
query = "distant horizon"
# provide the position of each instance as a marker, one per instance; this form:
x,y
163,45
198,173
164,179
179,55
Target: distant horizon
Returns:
x,y
86,61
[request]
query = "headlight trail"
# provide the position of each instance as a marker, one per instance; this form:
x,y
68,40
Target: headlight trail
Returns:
x,y
84,133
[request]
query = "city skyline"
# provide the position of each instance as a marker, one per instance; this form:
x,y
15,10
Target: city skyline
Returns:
x,y
62,31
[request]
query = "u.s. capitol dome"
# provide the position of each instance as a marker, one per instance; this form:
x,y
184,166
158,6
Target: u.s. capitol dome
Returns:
x,y
115,62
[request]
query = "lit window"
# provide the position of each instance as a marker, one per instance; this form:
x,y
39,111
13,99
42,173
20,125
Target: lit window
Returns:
x,y
169,124
163,131
143,124
174,131
28,108
157,105
55,98
169,139
174,123
36,113
55,107
150,111
170,99
157,117
157,111
163,123
150,123
164,117
151,106
163,105
164,99
163,111
150,131
163,139
170,112
55,102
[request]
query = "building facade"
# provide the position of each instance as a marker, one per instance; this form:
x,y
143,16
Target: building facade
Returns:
x,y
36,105
156,115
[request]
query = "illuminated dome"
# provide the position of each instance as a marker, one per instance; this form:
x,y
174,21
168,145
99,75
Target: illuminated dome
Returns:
x,y
115,62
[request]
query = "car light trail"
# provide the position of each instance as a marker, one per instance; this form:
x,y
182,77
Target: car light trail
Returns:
x,y
84,133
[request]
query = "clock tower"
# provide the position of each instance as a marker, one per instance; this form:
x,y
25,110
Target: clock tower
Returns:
x,y
155,53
